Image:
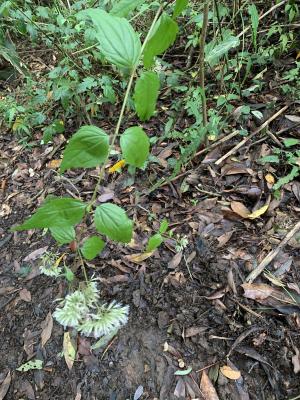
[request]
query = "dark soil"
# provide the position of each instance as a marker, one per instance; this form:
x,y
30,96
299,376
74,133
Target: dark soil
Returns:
x,y
192,314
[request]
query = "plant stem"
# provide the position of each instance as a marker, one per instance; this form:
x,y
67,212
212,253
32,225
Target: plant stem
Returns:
x,y
121,115
201,61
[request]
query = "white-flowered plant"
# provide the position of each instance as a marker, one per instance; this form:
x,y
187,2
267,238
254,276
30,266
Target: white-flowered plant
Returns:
x,y
81,310
50,265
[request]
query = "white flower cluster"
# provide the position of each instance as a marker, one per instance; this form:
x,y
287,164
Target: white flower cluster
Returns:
x,y
82,311
50,265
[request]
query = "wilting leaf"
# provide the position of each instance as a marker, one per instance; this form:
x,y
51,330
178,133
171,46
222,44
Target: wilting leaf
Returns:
x,y
140,257
259,212
239,209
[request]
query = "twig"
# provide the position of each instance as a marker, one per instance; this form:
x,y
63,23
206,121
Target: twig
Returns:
x,y
270,257
245,140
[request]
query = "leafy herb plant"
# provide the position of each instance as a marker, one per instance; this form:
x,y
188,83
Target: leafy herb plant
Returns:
x,y
91,147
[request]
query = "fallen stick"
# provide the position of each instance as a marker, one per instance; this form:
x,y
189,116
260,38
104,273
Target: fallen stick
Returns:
x,y
245,140
270,257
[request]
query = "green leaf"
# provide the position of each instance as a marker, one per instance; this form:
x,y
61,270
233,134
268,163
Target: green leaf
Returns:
x,y
164,35
55,212
163,226
182,372
63,234
33,364
92,247
87,148
145,95
180,5
221,49
119,43
290,142
154,242
124,7
269,159
135,146
288,178
113,222
254,22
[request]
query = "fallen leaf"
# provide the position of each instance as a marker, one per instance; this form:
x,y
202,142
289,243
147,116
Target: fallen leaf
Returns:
x,y
36,254
239,209
223,239
270,179
5,386
259,212
179,391
194,330
5,210
25,295
54,164
139,257
230,373
182,372
117,166
47,326
257,291
33,364
296,361
138,393
175,261
207,388
69,350
115,279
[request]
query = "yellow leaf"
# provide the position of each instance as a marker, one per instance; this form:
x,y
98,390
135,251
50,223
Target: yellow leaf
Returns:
x,y
117,166
57,262
54,164
298,55
69,350
259,212
270,179
230,373
17,124
140,257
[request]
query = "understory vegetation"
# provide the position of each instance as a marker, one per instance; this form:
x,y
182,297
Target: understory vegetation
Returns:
x,y
109,81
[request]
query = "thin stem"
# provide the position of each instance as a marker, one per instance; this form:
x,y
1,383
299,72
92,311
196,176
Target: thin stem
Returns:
x,y
126,96
201,61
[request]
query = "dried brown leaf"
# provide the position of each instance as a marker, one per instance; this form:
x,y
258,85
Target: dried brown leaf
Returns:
x,y
230,373
257,291
240,209
25,295
139,257
207,388
36,254
194,330
5,386
296,361
175,260
47,326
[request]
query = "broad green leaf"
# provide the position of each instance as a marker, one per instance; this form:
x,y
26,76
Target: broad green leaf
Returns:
x,y
163,226
180,5
55,212
113,222
123,7
290,142
154,242
33,364
87,148
135,146
63,234
221,49
145,95
254,22
92,247
164,35
119,43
